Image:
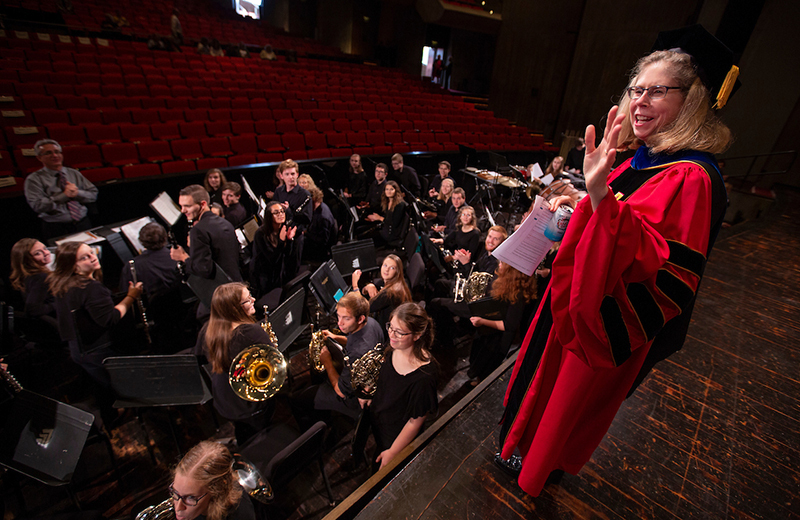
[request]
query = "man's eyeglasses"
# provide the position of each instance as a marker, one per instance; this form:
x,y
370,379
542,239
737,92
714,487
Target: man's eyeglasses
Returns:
x,y
189,500
394,332
656,92
51,152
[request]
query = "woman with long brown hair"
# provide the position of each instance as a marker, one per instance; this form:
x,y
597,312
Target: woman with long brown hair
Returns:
x,y
394,209
30,261
204,486
466,238
87,315
406,392
213,183
493,338
386,292
232,328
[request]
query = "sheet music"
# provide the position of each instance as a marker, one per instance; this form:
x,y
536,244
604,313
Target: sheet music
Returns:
x,y
87,237
525,249
537,171
166,208
547,179
248,189
131,231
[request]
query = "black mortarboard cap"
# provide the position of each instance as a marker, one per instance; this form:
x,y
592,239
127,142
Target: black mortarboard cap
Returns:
x,y
713,58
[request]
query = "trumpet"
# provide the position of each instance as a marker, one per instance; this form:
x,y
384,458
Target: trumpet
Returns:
x,y
257,372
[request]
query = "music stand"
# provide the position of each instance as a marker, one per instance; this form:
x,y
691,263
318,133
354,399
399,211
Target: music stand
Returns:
x,y
156,381
355,255
287,319
328,286
204,288
43,438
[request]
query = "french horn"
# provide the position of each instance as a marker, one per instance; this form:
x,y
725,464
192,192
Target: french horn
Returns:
x,y
472,288
315,349
364,372
257,372
246,474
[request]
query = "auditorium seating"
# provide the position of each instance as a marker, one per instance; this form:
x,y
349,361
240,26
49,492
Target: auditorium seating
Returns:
x,y
116,104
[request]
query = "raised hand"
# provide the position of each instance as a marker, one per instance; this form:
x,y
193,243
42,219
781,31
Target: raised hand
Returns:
x,y
598,160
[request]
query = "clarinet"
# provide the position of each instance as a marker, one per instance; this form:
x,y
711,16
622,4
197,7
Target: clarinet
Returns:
x,y
140,304
297,210
11,380
173,242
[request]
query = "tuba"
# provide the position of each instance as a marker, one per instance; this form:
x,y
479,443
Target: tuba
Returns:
x,y
365,370
257,372
472,288
246,474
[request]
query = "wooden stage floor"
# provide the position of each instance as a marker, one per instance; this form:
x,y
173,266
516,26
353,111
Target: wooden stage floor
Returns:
x,y
714,431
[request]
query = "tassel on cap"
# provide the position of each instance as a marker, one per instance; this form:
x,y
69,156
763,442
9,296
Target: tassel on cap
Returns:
x,y
727,87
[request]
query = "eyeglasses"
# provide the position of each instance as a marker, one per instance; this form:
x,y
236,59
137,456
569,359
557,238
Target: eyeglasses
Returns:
x,y
278,212
656,92
189,500
250,299
394,332
51,152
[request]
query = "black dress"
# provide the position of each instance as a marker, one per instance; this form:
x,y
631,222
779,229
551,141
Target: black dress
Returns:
x,y
400,398
39,300
392,228
272,265
471,241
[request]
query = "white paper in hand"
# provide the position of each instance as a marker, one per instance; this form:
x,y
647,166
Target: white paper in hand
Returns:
x,y
525,249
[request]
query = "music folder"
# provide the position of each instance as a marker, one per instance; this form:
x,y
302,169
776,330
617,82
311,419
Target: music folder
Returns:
x,y
166,208
144,381
489,308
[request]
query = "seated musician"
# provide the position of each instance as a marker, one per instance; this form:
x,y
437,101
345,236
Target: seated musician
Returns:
x,y
154,267
275,258
493,338
356,190
235,213
394,210
204,486
443,309
323,230
386,292
465,238
232,328
306,182
457,200
436,181
372,204
30,265
87,316
441,202
213,182
359,334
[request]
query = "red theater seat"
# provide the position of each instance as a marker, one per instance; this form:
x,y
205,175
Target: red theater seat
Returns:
x,y
216,147
98,175
155,151
270,143
293,142
177,167
219,129
186,149
214,162
83,157
120,154
103,134
67,135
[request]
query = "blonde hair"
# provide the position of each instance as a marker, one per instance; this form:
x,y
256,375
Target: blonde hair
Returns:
x,y
696,127
211,464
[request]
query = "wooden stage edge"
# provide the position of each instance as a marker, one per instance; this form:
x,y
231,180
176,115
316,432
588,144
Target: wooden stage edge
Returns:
x,y
713,432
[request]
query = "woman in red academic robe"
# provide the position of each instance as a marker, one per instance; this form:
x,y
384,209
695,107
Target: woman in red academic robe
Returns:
x,y
624,281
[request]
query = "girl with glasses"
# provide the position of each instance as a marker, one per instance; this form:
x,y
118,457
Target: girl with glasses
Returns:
x,y
276,258
87,316
232,328
204,486
406,392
